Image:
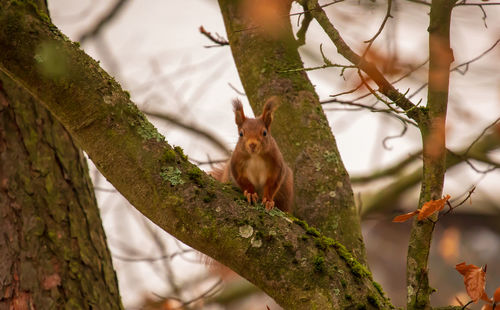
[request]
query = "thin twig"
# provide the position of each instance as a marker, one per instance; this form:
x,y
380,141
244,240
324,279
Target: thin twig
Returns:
x,y
379,31
103,21
451,208
191,127
481,135
457,67
219,41
369,68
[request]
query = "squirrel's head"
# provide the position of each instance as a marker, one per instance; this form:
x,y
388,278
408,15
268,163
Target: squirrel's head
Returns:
x,y
255,133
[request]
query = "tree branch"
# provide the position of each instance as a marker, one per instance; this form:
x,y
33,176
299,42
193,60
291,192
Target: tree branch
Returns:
x,y
100,25
165,187
385,87
388,196
300,127
434,152
191,127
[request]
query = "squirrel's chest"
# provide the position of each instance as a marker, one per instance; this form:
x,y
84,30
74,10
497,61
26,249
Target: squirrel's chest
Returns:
x,y
256,171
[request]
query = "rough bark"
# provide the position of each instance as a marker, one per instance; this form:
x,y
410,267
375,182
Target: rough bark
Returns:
x,y
52,246
323,193
293,263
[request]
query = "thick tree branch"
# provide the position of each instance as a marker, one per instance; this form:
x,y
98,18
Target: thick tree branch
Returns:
x,y
281,255
323,194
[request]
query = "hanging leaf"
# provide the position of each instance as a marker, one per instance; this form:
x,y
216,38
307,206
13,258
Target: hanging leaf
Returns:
x,y
474,280
430,207
404,217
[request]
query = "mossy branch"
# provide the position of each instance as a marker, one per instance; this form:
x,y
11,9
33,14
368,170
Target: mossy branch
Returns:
x,y
269,249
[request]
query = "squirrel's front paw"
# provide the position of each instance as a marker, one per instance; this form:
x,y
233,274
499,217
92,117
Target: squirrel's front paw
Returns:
x,y
269,204
251,197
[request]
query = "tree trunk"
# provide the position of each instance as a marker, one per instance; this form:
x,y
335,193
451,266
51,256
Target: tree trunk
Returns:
x,y
293,263
52,246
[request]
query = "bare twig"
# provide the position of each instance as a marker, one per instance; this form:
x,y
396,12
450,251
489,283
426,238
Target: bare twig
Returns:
x,y
219,41
464,64
239,92
420,2
385,87
451,208
401,134
481,135
191,127
151,259
390,171
379,31
103,21
359,106
467,63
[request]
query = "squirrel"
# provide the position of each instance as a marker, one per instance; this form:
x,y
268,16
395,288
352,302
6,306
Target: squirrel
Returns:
x,y
256,164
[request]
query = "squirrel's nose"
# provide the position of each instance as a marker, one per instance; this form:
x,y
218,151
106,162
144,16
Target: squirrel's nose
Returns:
x,y
252,146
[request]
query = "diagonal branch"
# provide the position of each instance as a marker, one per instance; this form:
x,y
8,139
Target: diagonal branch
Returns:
x,y
385,87
161,183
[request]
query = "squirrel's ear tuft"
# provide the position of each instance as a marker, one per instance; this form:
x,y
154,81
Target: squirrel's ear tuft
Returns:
x,y
269,107
239,115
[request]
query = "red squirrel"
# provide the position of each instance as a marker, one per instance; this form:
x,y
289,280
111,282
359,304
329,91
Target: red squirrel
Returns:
x,y
256,164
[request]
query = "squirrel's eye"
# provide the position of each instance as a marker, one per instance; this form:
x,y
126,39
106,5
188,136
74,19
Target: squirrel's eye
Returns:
x,y
264,133
241,133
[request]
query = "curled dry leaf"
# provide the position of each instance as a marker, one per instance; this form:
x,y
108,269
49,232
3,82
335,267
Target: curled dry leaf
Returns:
x,y
474,280
404,217
430,207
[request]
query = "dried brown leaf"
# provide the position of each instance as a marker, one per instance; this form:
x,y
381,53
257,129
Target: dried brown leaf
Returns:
x,y
404,217
474,280
430,207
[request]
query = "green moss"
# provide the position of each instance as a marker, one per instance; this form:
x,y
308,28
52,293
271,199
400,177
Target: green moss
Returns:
x,y
319,263
319,244
374,301
195,174
323,243
379,288
343,282
168,155
148,132
330,156
172,175
210,195
312,231
179,151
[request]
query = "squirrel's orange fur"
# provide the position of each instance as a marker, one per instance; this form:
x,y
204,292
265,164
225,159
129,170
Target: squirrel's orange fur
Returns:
x,y
256,164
